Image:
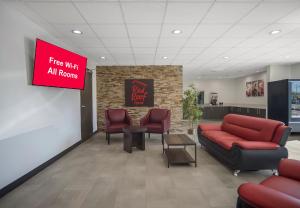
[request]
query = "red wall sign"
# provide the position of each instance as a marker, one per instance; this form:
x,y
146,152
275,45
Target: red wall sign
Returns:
x,y
139,92
57,67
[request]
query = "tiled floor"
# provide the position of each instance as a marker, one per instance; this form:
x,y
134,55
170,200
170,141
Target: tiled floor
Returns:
x,y
104,176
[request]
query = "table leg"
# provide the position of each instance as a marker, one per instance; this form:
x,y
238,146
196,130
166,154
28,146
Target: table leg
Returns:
x,y
168,159
195,155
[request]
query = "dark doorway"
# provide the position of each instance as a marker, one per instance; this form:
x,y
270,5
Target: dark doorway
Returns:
x,y
86,102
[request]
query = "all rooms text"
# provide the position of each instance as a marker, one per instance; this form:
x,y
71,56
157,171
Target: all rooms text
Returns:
x,y
59,72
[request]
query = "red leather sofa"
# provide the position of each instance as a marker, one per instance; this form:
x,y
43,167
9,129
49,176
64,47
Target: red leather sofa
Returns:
x,y
157,121
282,191
115,121
245,142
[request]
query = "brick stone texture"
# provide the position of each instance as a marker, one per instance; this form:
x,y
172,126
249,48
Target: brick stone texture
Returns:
x,y
167,90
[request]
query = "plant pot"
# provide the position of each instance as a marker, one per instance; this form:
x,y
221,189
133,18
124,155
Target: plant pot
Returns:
x,y
190,131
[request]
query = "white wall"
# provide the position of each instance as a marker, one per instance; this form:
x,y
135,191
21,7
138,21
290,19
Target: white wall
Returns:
x,y
295,71
224,87
232,91
279,72
36,123
240,89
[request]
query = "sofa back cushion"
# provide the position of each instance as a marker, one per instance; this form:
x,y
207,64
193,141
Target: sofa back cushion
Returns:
x,y
157,115
250,128
116,115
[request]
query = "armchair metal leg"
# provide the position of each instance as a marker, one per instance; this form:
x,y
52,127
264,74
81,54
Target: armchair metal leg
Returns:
x,y
149,135
168,132
236,172
162,138
108,138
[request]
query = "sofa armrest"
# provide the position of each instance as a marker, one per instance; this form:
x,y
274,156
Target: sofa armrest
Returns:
x,y
166,122
210,127
281,135
254,145
289,168
145,119
264,197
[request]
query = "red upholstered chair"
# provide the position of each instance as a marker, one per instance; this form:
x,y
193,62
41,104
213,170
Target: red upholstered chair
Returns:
x,y
157,121
274,192
115,121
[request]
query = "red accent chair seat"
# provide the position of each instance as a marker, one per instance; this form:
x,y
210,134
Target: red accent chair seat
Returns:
x,y
245,142
274,192
157,121
115,121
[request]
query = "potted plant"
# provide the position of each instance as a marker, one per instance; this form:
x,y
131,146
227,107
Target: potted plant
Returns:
x,y
191,110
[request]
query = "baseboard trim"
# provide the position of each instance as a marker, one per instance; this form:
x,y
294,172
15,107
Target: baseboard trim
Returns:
x,y
5,190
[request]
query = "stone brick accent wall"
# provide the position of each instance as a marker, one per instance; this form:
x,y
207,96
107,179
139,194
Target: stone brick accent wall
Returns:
x,y
167,90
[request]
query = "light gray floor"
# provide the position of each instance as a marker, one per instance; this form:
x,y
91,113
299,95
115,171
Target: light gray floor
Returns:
x,y
104,176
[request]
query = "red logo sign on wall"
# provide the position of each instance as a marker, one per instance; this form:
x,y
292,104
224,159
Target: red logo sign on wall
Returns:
x,y
139,92
57,67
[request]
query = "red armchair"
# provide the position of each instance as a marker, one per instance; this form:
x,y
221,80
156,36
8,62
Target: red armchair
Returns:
x,y
274,192
157,121
115,121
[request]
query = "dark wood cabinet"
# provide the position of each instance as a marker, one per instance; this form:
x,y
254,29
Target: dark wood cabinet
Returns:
x,y
218,112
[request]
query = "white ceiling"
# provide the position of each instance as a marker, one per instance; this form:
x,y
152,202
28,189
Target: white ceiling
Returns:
x,y
139,32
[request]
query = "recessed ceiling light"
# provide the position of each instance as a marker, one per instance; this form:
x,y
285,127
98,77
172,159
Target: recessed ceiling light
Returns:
x,y
164,57
102,57
274,32
176,32
78,32
287,57
226,57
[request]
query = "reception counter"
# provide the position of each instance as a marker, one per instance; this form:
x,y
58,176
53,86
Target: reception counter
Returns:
x,y
217,112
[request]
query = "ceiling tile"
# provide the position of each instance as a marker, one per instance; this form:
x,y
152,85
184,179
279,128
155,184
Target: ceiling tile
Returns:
x,y
285,30
228,12
269,12
57,12
116,42
171,42
199,42
244,30
293,17
144,30
210,30
167,51
227,42
110,31
124,59
84,41
100,12
143,12
66,30
144,42
253,42
186,29
120,51
193,50
144,59
144,50
185,12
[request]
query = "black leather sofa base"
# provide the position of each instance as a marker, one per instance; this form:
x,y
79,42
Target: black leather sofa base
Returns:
x,y
243,160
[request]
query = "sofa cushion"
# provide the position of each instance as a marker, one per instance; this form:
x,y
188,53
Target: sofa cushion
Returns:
x,y
250,128
254,145
207,127
221,138
288,186
116,115
154,127
116,127
157,115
